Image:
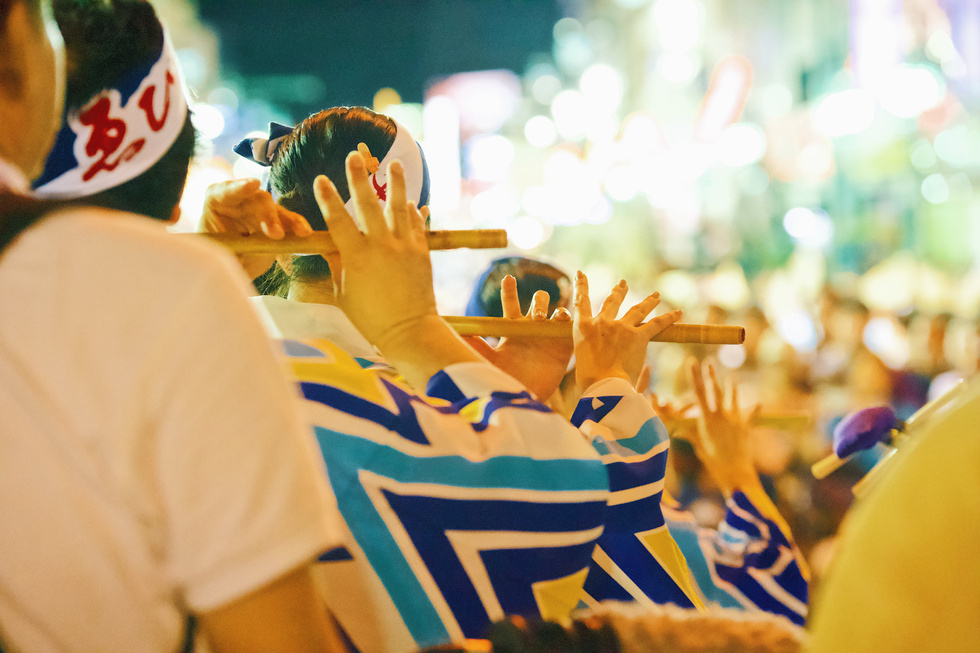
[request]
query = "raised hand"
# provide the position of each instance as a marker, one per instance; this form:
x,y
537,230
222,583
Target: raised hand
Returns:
x,y
606,347
668,413
538,363
722,440
243,207
383,275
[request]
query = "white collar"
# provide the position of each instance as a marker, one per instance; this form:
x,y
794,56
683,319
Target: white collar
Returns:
x,y
292,320
13,179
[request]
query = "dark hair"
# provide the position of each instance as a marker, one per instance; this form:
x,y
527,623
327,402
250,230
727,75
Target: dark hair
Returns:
x,y
104,40
319,146
531,275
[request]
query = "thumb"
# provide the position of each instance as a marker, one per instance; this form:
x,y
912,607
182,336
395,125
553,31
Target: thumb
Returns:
x,y
482,347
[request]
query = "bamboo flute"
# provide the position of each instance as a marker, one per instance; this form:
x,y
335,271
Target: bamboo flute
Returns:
x,y
321,242
711,334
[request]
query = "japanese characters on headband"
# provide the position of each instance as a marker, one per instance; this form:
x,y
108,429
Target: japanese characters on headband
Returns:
x,y
119,134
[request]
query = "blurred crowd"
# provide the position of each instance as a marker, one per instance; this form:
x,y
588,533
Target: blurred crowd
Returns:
x,y
821,385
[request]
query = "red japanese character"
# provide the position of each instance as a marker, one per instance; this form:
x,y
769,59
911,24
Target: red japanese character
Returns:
x,y
146,104
107,136
381,191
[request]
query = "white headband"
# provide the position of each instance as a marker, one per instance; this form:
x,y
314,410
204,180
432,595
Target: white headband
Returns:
x,y
120,134
406,150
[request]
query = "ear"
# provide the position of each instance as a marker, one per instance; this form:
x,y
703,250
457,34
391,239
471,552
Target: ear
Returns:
x,y
174,215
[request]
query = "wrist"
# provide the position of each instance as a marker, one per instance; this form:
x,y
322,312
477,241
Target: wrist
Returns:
x,y
421,346
586,379
745,482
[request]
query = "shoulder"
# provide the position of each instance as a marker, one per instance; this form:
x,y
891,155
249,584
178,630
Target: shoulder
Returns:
x,y
126,245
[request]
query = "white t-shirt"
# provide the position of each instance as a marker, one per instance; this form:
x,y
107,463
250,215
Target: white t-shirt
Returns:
x,y
151,461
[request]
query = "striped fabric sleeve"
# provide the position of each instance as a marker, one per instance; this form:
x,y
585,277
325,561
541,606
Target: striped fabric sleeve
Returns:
x,y
636,559
465,505
753,560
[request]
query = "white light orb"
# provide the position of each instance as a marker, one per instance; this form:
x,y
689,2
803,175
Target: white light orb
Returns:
x,y
844,113
741,144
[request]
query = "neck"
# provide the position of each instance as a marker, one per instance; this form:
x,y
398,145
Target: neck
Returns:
x,y
312,293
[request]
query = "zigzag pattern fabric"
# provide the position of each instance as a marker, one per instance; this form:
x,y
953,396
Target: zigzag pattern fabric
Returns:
x,y
463,506
653,553
748,563
636,559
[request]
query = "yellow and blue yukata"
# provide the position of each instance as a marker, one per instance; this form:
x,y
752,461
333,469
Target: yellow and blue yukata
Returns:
x,y
474,501
750,561
462,506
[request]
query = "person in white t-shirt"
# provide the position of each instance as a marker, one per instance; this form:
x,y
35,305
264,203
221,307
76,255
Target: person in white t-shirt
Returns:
x,y
152,468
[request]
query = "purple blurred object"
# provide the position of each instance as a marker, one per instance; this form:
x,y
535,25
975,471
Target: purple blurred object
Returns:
x,y
863,429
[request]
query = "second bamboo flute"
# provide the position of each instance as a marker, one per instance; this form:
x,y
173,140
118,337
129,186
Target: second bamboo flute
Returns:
x,y
707,334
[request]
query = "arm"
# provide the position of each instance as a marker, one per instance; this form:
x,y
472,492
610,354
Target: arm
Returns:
x,y
463,503
636,558
243,500
290,602
458,505
751,556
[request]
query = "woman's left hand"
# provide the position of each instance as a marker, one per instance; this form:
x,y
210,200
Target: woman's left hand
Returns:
x,y
538,363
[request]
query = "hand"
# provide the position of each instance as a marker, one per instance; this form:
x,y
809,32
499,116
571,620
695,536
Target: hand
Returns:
x,y
722,440
538,363
606,347
668,414
242,207
383,276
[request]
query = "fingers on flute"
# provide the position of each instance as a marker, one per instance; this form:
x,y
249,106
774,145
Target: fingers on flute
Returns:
x,y
638,313
561,314
539,306
583,305
661,322
269,215
396,208
610,305
272,229
365,199
293,222
341,225
510,303
416,222
231,192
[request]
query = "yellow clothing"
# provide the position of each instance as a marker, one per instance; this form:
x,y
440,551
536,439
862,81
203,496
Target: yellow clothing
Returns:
x,y
907,576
